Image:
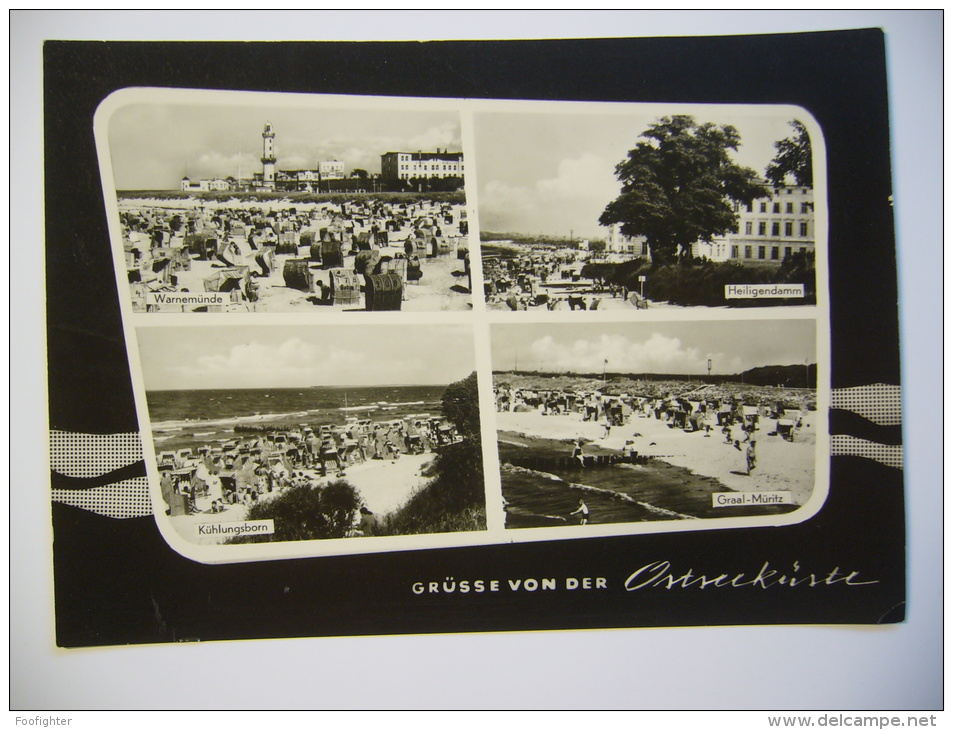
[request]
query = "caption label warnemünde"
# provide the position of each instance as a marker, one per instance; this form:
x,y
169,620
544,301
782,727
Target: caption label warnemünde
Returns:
x,y
764,291
200,299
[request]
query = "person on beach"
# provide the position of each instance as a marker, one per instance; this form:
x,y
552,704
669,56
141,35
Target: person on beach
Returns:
x,y
583,511
751,458
368,522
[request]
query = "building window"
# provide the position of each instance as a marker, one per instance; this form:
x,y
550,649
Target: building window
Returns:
x,y
748,228
761,252
734,252
762,228
736,207
789,207
803,228
777,207
789,229
774,253
805,208
747,252
775,229
787,252
803,249
803,191
749,207
764,207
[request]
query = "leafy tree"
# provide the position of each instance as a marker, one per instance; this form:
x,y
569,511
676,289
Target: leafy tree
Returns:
x,y
793,157
678,186
359,173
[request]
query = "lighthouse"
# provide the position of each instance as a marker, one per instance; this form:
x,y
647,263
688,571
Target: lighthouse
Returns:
x,y
268,157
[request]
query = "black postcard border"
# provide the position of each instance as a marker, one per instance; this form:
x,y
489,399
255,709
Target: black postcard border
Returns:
x,y
116,581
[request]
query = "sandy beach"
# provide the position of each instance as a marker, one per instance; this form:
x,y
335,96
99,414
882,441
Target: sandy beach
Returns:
x,y
781,466
444,285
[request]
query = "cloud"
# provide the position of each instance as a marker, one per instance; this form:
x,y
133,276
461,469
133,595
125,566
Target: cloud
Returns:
x,y
588,176
295,362
212,164
657,354
446,135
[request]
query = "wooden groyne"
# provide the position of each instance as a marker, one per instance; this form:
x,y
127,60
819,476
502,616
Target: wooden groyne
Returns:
x,y
588,461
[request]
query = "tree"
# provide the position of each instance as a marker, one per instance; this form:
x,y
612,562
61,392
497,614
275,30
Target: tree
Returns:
x,y
793,157
461,404
678,186
359,173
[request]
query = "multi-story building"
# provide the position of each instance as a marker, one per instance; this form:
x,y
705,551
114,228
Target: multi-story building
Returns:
x,y
769,230
203,186
618,243
407,165
305,180
331,170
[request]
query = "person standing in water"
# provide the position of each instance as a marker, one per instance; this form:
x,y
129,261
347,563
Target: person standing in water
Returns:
x,y
583,511
577,452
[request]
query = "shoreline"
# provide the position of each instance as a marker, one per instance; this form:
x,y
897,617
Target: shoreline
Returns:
x,y
782,465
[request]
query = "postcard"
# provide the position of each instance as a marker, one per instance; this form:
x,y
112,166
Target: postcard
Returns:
x,y
446,358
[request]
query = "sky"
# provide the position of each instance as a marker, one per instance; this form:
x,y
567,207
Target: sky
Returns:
x,y
657,348
154,145
553,173
282,356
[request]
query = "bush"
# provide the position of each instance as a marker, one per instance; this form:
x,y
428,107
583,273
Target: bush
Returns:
x,y
306,513
694,282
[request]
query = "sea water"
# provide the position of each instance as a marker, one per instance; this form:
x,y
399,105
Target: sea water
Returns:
x,y
652,491
188,418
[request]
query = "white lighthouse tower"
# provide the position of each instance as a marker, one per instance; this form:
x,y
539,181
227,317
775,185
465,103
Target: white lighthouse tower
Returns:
x,y
268,157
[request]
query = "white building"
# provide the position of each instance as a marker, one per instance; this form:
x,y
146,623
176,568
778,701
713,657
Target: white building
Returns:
x,y
618,243
204,186
407,165
331,170
769,230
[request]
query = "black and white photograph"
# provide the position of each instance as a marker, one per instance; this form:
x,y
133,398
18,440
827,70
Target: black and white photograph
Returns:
x,y
648,207
253,203
662,410
656,423
290,433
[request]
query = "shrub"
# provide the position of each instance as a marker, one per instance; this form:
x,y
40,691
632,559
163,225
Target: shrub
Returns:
x,y
306,513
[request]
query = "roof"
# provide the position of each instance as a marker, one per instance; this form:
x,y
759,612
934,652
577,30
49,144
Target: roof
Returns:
x,y
448,156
